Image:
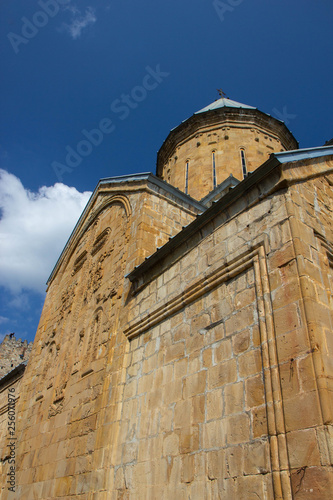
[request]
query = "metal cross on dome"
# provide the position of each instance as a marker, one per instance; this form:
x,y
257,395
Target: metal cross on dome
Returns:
x,y
221,93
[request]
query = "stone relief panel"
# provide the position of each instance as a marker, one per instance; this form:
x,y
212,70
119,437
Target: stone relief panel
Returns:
x,y
79,261
67,299
100,241
96,337
79,349
51,361
101,277
84,306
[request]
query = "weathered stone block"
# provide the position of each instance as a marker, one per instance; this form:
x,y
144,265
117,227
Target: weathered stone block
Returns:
x,y
223,373
194,384
214,404
214,434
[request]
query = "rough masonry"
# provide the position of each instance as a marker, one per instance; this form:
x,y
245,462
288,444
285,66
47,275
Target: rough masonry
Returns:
x,y
185,346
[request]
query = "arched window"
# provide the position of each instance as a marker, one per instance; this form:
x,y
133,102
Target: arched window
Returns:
x,y
243,160
186,175
214,168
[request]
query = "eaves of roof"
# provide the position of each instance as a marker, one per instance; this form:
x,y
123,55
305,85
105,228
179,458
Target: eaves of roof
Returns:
x,y
304,154
15,371
124,180
219,206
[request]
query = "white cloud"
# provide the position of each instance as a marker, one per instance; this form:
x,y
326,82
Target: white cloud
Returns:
x,y
34,228
79,21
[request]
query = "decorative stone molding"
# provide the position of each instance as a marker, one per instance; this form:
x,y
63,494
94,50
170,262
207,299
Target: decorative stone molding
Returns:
x,y
255,258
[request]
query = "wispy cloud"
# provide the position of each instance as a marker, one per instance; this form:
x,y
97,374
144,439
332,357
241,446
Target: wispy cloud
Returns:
x,y
79,21
3,320
20,300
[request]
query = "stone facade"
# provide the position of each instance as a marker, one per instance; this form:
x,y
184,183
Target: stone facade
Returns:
x,y
186,352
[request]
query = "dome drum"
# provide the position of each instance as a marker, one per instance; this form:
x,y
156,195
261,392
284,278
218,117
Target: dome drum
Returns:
x,y
206,148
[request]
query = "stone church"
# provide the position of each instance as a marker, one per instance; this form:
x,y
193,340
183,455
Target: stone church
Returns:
x,y
185,348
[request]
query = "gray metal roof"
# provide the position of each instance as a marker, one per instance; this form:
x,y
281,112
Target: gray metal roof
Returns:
x,y
14,371
219,103
149,177
224,103
304,154
265,169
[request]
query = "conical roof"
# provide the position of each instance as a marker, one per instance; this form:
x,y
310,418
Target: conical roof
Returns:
x,y
224,103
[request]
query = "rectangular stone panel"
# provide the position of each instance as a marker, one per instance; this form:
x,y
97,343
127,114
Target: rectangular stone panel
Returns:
x,y
197,395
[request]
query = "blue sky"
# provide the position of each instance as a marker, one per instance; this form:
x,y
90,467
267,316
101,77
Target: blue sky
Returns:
x,y
133,70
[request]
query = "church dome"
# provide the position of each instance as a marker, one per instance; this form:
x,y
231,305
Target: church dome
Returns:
x,y
222,139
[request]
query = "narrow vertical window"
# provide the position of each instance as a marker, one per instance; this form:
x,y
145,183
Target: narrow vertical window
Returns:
x,y
186,176
242,152
214,169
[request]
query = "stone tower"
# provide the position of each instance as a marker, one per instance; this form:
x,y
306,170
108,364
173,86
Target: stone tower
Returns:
x,y
12,353
185,347
222,139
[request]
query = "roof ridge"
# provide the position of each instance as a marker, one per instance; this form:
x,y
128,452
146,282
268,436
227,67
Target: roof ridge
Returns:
x,y
224,102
